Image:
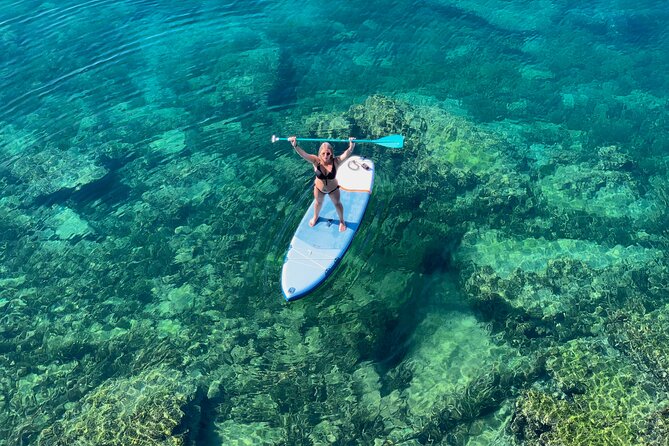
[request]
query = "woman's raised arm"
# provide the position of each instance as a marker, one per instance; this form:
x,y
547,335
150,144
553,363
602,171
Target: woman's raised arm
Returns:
x,y
347,152
307,156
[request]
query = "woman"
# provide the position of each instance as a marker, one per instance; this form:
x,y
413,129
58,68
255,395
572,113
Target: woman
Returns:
x,y
325,169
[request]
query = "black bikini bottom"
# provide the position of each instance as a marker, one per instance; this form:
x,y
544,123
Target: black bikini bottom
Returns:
x,y
327,193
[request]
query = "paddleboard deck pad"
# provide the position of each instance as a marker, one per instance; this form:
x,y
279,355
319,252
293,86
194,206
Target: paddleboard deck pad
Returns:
x,y
314,252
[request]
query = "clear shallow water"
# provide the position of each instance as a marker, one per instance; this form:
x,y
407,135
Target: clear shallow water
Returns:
x,y
505,266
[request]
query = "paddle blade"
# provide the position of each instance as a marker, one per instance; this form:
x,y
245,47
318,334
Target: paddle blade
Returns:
x,y
392,141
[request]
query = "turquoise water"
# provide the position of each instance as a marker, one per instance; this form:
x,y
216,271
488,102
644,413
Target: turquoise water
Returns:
x,y
508,284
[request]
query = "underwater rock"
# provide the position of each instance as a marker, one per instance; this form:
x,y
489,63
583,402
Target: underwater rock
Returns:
x,y
256,72
613,158
155,407
239,71
133,123
465,172
575,195
608,194
452,139
657,432
232,433
644,338
444,360
329,125
505,255
593,396
182,184
175,300
15,221
456,171
537,286
169,143
632,24
16,141
46,171
31,394
509,16
453,374
500,199
66,224
382,116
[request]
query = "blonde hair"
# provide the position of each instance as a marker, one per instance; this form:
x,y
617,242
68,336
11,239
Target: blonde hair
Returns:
x,y
325,145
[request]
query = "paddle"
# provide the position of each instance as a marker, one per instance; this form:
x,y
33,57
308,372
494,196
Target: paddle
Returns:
x,y
391,141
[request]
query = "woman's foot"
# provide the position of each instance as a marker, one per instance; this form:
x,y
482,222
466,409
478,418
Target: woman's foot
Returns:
x,y
342,227
312,222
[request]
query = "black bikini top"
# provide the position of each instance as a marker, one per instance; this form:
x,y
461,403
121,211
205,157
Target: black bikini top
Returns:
x,y
329,176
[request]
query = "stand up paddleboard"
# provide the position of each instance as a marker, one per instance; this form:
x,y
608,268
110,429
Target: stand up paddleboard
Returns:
x,y
314,252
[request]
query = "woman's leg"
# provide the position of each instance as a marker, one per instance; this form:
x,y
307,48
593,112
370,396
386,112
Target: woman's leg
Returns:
x,y
334,196
318,203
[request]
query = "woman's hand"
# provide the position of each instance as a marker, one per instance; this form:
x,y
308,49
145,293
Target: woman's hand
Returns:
x,y
293,140
347,152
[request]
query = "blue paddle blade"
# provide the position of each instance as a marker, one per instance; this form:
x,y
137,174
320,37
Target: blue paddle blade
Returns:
x,y
392,141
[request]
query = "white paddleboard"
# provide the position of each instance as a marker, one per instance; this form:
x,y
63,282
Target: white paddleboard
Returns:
x,y
314,252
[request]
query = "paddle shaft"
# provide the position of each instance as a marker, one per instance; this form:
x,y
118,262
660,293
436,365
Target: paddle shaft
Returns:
x,y
390,141
327,140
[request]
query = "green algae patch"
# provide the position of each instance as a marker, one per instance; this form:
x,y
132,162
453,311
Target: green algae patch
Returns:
x,y
451,354
453,139
599,398
644,338
146,409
